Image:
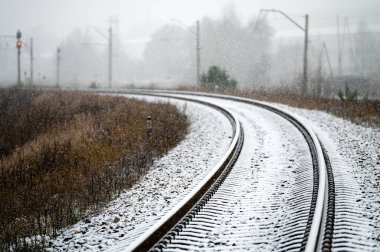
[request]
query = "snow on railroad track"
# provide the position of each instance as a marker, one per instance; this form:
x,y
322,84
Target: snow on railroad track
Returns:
x,y
354,152
199,233
264,202
170,178
258,206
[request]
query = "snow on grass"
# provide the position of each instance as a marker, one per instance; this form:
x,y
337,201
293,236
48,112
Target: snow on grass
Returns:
x,y
170,178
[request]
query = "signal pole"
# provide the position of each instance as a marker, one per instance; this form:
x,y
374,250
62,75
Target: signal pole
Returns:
x,y
58,63
18,35
31,61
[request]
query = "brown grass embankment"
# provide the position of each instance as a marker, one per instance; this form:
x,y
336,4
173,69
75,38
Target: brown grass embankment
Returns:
x,y
65,154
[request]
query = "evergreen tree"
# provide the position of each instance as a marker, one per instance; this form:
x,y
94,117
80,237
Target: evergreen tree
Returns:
x,y
217,77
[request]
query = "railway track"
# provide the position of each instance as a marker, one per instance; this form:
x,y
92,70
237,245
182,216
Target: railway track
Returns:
x,y
310,227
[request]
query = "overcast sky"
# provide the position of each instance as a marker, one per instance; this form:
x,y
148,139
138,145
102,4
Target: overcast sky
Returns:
x,y
139,18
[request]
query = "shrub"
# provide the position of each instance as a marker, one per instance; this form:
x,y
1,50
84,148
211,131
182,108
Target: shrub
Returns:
x,y
217,77
348,95
93,85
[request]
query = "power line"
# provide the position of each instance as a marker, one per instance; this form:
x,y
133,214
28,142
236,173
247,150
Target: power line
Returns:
x,y
350,17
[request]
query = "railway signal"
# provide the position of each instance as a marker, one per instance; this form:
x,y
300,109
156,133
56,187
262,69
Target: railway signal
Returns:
x,y
18,36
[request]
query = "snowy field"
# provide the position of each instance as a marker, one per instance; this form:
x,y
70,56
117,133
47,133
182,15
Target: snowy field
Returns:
x,y
353,150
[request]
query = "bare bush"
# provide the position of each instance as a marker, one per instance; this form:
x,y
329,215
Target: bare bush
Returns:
x,y
66,154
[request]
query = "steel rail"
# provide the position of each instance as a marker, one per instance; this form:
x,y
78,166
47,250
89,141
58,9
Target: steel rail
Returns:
x,y
319,229
329,214
179,216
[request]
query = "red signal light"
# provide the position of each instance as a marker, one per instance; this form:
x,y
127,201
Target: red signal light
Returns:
x,y
18,44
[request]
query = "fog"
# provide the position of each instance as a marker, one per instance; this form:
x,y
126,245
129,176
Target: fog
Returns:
x,y
154,43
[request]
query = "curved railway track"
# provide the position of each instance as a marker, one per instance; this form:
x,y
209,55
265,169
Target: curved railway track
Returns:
x,y
315,210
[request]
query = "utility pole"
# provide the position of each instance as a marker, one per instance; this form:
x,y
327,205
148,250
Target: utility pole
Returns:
x,y
110,58
198,54
342,36
58,63
339,47
305,53
328,59
109,39
305,58
18,36
351,47
31,61
114,46
197,46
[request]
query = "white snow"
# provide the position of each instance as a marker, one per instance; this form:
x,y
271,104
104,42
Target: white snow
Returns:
x,y
168,181
254,206
353,150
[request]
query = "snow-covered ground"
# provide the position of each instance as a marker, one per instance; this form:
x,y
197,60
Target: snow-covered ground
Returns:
x,y
354,151
170,178
270,183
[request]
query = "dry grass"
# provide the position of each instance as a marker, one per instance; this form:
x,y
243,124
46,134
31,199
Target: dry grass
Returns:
x,y
65,154
361,111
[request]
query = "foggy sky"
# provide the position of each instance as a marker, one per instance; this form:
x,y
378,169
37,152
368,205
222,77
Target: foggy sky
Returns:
x,y
140,18
57,23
